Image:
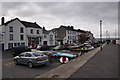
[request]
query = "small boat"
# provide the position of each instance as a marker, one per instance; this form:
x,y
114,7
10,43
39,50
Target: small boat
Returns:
x,y
65,55
76,50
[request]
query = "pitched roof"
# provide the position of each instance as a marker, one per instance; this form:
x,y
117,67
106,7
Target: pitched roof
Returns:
x,y
54,29
79,30
10,21
46,32
25,23
30,24
72,28
67,27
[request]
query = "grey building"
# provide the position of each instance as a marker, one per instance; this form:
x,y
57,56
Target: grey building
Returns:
x,y
67,34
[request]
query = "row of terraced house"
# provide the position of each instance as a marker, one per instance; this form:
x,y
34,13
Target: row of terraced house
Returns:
x,y
17,32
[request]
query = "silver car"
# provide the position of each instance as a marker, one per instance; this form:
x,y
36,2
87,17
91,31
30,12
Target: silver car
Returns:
x,y
31,59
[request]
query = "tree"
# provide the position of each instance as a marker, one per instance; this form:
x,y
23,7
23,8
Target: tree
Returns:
x,y
83,37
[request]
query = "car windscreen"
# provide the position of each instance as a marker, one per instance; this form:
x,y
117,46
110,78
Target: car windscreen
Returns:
x,y
38,54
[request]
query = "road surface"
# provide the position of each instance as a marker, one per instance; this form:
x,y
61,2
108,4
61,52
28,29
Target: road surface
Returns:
x,y
103,65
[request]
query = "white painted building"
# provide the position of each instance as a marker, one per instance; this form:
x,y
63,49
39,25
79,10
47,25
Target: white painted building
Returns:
x,y
17,32
48,37
54,30
71,36
1,35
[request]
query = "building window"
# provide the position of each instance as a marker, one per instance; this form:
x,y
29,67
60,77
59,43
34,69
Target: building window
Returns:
x,y
37,32
15,44
10,29
10,45
21,30
45,36
68,37
23,44
40,39
68,32
18,44
21,37
11,37
31,31
51,37
75,37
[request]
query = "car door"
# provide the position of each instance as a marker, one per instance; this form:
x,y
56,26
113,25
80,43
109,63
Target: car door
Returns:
x,y
27,58
20,59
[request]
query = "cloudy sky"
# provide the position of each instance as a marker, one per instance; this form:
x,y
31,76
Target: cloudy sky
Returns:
x,y
81,15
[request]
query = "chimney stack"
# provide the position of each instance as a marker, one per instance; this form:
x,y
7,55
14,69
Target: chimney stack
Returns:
x,y
72,27
2,20
43,28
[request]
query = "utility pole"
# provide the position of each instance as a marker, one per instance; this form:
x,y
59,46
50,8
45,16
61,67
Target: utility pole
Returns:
x,y
101,34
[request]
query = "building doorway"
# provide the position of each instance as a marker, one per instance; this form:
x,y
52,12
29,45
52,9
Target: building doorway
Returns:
x,y
44,42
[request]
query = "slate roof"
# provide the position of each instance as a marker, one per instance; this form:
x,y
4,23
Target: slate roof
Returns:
x,y
54,29
25,23
46,32
30,24
71,28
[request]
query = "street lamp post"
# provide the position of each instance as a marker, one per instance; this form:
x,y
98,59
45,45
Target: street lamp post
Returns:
x,y
101,34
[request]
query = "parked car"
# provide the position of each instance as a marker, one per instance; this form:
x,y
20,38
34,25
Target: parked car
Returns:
x,y
43,47
15,51
31,59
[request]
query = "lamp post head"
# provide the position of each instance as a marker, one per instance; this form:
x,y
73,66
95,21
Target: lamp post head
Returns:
x,y
100,21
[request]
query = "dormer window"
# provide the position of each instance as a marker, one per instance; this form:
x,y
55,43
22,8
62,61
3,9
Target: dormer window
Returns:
x,y
10,29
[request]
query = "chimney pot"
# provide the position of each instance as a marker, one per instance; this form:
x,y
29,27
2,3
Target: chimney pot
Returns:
x,y
2,20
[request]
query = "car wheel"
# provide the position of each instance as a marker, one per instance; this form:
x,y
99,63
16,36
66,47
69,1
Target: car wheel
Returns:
x,y
16,62
30,64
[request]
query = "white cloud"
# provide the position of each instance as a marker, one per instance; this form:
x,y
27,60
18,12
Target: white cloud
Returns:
x,y
83,15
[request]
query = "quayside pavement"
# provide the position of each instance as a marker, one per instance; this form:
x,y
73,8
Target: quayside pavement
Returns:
x,y
103,65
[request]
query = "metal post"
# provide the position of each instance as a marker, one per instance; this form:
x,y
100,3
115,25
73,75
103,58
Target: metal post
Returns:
x,y
101,34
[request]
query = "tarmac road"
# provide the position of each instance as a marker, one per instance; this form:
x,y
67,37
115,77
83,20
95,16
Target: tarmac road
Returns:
x,y
10,70
103,65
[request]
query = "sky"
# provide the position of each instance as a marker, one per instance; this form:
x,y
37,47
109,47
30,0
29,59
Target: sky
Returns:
x,y
81,15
